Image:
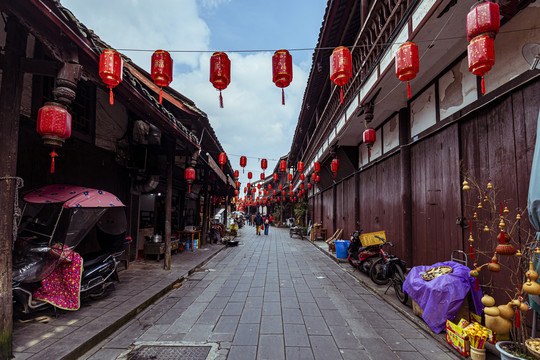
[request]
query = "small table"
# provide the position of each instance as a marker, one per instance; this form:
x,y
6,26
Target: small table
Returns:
x,y
318,232
158,249
192,233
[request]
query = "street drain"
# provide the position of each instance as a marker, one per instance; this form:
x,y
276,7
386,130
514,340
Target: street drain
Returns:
x,y
169,352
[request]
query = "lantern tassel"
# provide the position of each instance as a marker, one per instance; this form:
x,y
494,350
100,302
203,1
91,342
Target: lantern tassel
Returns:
x,y
221,167
341,94
53,155
160,95
518,320
408,90
483,85
189,187
476,285
111,97
220,100
282,96
471,252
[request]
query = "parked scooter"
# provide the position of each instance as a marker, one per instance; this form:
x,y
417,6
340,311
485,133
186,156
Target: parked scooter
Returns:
x,y
46,266
362,257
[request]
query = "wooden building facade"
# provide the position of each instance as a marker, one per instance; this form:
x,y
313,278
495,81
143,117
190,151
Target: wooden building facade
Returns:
x,y
426,146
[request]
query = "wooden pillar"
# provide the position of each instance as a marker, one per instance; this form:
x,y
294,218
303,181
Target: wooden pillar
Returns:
x,y
334,207
406,199
10,104
356,201
168,205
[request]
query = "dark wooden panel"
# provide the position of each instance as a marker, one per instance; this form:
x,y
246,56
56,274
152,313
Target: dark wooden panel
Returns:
x,y
340,214
328,213
349,223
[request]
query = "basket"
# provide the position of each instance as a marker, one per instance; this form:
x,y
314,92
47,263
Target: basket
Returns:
x,y
436,272
531,350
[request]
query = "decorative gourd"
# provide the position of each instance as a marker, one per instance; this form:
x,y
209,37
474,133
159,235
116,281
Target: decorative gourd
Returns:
x,y
498,324
523,307
531,287
507,312
492,311
488,300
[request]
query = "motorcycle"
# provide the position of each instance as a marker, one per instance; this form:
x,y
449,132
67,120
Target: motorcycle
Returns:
x,y
58,222
362,257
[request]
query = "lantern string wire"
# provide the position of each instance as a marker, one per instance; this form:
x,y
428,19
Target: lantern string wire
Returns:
x,y
431,41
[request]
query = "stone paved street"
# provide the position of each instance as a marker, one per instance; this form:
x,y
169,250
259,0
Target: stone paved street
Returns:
x,y
274,297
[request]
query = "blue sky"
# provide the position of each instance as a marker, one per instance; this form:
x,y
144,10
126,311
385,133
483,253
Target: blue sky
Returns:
x,y
253,122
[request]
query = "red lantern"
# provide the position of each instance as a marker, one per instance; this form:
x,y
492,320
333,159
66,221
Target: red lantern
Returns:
x,y
189,176
275,176
300,167
302,177
248,185
291,186
309,186
258,186
222,160
481,52
483,19
274,192
269,187
280,187
235,192
110,70
313,176
54,126
243,162
317,167
282,70
238,184
264,164
317,179
302,186
334,166
236,174
161,72
369,138
262,176
290,177
283,166
250,175
245,190
407,63
341,67
291,193
220,72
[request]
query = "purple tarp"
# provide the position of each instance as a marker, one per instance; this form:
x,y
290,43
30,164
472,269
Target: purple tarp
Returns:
x,y
442,297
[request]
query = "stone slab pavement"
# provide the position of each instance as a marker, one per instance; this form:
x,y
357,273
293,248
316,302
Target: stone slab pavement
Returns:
x,y
273,297
69,334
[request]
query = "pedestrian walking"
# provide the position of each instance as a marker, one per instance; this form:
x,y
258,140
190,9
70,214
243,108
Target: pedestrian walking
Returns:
x,y
258,223
266,225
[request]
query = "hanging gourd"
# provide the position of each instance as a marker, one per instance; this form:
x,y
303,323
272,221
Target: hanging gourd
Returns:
x,y
300,167
220,72
334,166
54,127
161,72
481,54
264,164
243,162
317,166
110,70
189,176
282,71
222,160
341,68
369,136
483,19
407,63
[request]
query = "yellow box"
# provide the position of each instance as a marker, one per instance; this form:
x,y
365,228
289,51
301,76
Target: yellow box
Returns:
x,y
493,337
455,336
374,238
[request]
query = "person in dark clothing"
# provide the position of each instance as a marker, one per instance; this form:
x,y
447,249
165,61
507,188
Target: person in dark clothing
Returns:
x,y
258,222
266,225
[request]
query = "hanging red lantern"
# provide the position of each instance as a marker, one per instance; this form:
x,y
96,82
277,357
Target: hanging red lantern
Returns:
x,y
54,127
269,187
369,136
481,53
161,72
483,19
317,179
280,187
309,186
220,72
264,164
262,176
237,184
283,166
243,162
274,192
341,68
334,166
291,186
302,177
300,167
275,176
222,159
291,193
236,174
248,185
282,70
235,192
290,177
313,176
110,70
302,186
317,167
189,176
407,63
258,186
245,190
250,175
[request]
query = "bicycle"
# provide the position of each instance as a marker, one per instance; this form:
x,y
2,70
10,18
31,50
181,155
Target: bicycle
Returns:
x,y
389,269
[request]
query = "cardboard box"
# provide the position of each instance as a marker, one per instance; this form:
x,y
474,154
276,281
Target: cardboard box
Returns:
x,y
493,336
456,336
